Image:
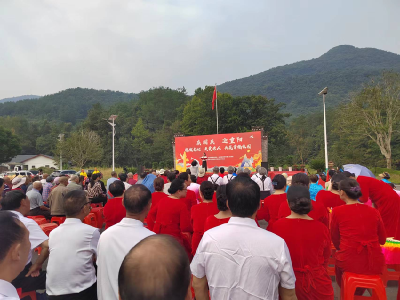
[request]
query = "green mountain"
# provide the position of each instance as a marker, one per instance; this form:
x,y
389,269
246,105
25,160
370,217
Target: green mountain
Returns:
x,y
16,99
70,106
343,69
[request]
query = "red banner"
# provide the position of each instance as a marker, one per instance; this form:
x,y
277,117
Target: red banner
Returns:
x,y
222,150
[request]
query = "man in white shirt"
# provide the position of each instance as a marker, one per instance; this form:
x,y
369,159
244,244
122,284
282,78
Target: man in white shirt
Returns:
x,y
73,247
32,277
147,275
14,252
123,177
170,177
256,174
119,239
256,263
264,182
227,178
215,178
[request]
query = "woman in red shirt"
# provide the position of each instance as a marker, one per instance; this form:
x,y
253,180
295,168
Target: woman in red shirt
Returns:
x,y
385,200
114,211
357,232
155,198
331,199
269,211
309,245
201,211
171,215
224,212
318,211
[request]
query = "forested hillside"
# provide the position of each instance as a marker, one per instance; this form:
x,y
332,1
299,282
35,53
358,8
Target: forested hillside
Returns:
x,y
69,106
19,98
343,69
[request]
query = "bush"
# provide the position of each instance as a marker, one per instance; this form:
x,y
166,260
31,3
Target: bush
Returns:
x,y
317,164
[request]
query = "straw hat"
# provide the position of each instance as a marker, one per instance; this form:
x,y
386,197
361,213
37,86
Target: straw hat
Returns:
x,y
201,172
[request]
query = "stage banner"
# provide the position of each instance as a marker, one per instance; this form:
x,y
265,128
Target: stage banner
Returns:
x,y
222,150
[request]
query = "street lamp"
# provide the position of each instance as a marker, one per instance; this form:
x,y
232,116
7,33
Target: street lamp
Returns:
x,y
323,93
112,118
61,136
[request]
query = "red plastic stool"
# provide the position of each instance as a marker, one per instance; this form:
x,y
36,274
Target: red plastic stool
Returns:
x,y
40,221
98,211
48,227
94,205
90,219
58,220
22,295
351,281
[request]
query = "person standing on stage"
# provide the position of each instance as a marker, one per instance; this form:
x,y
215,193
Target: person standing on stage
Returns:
x,y
204,159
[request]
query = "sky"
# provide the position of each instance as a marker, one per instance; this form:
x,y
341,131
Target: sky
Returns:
x,y
132,45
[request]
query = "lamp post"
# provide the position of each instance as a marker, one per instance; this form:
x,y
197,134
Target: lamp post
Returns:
x,y
323,93
61,136
112,118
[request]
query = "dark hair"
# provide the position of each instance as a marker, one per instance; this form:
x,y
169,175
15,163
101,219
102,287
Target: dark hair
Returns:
x,y
35,178
93,179
81,179
74,202
123,177
136,198
117,188
300,179
184,176
351,188
323,176
11,232
143,175
1,182
222,170
113,173
170,273
171,176
279,182
207,189
193,178
194,163
390,183
336,179
12,200
158,184
299,201
222,198
243,196
348,174
188,171
176,185
243,174
313,178
89,175
331,173
176,172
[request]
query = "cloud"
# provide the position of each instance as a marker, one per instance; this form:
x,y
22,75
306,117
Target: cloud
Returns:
x,y
130,46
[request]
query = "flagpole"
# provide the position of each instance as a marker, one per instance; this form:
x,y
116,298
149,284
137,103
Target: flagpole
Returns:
x,y
216,100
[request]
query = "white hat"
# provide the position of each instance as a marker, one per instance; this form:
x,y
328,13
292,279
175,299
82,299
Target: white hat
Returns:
x,y
162,171
18,181
201,172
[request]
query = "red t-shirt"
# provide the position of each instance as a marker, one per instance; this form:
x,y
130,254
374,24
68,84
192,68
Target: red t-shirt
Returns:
x,y
318,212
114,211
201,179
190,199
165,178
212,222
309,245
329,199
155,199
269,211
199,215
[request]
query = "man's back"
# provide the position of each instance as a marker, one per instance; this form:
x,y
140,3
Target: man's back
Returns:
x,y
254,261
114,244
35,198
72,186
56,200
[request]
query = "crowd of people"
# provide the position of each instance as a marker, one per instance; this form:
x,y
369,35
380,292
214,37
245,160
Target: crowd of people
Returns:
x,y
185,235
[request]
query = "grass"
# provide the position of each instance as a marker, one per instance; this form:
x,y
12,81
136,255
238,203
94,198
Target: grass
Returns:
x,y
394,174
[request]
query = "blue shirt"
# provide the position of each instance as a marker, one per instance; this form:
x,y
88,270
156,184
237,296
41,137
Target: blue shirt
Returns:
x,y
314,189
110,180
385,180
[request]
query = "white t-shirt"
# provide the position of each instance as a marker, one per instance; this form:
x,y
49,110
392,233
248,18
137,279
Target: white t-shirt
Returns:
x,y
266,185
166,187
127,185
113,246
215,179
227,178
8,291
70,269
36,234
254,262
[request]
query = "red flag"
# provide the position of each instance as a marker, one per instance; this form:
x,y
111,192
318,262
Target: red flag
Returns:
x,y
214,97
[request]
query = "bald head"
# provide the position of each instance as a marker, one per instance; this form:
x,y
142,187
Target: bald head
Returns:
x,y
74,178
37,185
145,274
63,180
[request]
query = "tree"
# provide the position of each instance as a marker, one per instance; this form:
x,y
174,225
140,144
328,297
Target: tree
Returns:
x,y
9,145
82,147
141,144
374,112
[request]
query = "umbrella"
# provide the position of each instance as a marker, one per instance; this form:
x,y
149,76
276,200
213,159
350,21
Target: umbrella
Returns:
x,y
358,170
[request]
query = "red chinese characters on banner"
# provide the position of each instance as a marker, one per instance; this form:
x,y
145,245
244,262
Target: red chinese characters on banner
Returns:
x,y
222,150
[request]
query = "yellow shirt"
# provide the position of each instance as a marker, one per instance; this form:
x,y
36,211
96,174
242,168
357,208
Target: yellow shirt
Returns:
x,y
95,172
83,174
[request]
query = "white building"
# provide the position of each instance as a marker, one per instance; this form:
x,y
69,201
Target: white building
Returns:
x,y
28,162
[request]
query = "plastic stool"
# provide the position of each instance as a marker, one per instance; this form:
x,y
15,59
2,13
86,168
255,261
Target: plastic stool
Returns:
x,y
351,281
22,295
48,227
58,220
40,221
98,211
90,219
94,205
